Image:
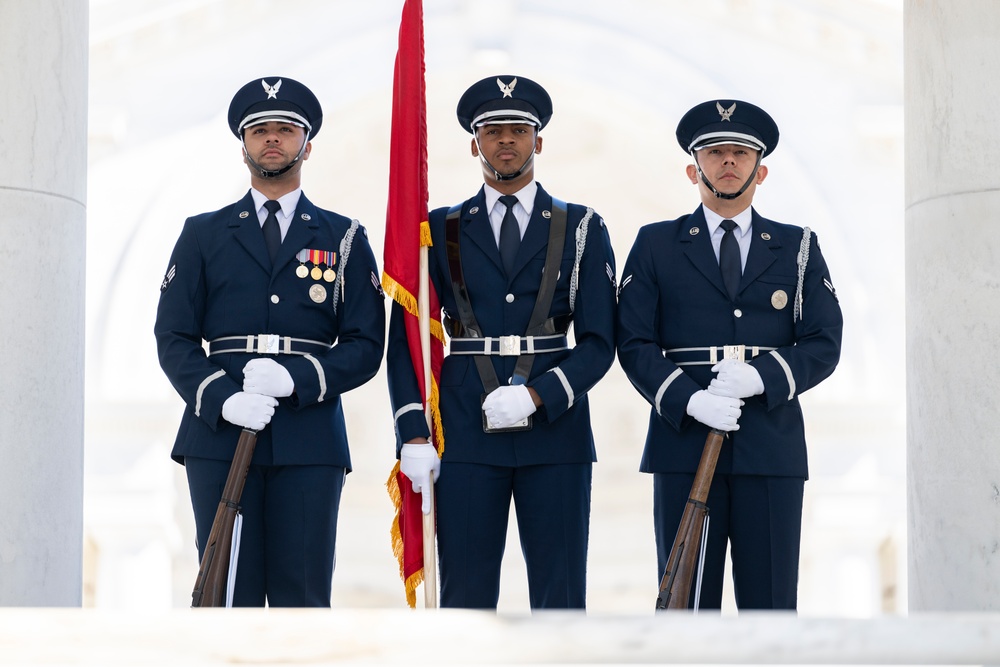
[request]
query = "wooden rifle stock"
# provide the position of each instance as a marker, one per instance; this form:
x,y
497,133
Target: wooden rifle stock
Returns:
x,y
210,586
682,564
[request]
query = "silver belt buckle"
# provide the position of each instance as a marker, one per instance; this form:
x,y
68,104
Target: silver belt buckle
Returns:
x,y
510,346
268,343
737,352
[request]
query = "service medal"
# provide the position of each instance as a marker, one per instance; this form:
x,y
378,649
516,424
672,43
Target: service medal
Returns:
x,y
316,273
329,275
779,299
317,293
302,255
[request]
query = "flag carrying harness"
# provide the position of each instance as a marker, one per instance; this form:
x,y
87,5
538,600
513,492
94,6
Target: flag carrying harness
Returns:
x,y
540,326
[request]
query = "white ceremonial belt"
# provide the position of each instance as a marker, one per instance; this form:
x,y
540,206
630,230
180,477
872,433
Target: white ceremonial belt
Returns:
x,y
709,356
508,346
266,344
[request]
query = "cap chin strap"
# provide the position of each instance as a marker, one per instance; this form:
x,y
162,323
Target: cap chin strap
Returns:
x,y
724,195
497,174
267,173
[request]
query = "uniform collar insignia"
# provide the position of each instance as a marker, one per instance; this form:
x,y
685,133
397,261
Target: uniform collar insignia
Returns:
x,y
272,91
507,90
725,113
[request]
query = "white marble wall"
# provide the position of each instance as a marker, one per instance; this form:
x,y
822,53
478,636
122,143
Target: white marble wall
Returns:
x,y
953,303
43,166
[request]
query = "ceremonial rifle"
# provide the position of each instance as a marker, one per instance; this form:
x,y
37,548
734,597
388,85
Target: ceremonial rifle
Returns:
x,y
213,575
687,553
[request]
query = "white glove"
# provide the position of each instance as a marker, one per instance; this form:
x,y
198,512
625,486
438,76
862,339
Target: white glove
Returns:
x,y
736,379
506,406
417,461
716,411
268,377
249,410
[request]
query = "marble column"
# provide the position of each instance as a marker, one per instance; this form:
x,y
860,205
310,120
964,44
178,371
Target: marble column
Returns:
x,y
952,136
43,181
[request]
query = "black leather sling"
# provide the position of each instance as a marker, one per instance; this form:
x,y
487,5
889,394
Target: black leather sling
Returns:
x,y
539,323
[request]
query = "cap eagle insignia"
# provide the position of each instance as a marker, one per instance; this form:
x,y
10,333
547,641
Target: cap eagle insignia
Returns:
x,y
725,113
272,91
507,90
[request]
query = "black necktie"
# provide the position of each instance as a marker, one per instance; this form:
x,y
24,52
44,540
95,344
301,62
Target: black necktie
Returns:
x,y
729,259
510,234
272,232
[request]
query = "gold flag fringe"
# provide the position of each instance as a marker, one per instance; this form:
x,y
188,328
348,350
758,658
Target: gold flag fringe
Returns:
x,y
436,417
417,578
392,486
403,297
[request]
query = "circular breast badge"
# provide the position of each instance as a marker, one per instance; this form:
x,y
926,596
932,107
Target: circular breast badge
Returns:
x,y
317,293
779,299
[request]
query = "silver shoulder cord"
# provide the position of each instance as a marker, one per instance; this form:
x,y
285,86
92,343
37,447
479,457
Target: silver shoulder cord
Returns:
x,y
581,245
803,260
345,254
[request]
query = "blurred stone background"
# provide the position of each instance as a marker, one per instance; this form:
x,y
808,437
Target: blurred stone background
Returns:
x,y
620,74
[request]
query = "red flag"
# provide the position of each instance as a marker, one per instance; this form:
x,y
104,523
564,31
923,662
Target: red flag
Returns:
x,y
406,231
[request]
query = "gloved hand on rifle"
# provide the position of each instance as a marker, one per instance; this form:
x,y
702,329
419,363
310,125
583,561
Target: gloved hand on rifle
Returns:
x,y
720,412
267,377
506,406
736,379
417,460
253,411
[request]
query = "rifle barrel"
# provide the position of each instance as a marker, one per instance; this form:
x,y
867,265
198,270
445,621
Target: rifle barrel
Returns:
x,y
210,585
675,585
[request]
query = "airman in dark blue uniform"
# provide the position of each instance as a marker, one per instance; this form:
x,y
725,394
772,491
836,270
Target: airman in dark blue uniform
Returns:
x,y
724,319
269,311
513,388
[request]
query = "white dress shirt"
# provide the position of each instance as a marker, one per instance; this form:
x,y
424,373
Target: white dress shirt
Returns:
x,y
743,222
288,203
522,209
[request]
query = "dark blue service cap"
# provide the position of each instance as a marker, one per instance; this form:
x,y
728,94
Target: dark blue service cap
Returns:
x,y
727,122
504,99
275,98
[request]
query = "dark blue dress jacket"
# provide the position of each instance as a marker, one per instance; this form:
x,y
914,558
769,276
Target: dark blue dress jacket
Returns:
x,y
672,296
220,283
503,306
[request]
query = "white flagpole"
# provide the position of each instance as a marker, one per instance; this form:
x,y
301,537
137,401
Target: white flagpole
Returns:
x,y
423,314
